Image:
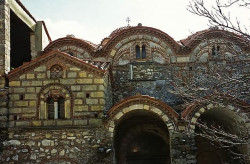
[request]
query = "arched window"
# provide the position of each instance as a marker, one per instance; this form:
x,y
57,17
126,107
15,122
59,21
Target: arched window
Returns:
x,y
56,71
50,102
143,52
61,111
138,53
213,50
56,109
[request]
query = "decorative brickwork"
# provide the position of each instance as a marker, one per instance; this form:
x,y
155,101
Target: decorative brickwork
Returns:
x,y
69,105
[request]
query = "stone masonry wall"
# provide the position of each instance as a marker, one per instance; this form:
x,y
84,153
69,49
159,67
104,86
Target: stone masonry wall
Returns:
x,y
49,146
87,91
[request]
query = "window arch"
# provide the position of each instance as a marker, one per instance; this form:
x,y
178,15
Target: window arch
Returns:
x,y
55,102
140,51
55,107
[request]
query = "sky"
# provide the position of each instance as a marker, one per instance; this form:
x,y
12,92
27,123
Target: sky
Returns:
x,y
93,20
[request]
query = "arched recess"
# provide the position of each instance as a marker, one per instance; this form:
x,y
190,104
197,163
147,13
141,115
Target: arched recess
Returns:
x,y
48,91
74,47
139,33
221,134
141,127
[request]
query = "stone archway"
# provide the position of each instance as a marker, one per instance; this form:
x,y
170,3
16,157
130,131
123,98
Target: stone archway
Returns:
x,y
141,137
141,127
214,142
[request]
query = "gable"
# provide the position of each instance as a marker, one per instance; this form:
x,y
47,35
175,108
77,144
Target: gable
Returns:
x,y
67,62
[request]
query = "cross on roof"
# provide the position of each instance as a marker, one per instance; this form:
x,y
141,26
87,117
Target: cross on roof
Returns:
x,y
128,20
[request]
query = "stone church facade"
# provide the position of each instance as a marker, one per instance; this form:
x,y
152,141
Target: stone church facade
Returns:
x,y
137,97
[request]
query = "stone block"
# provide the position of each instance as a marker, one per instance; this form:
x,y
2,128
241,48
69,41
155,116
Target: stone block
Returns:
x,y
156,110
91,101
97,94
46,142
93,121
19,90
64,122
49,122
80,94
84,81
80,122
101,87
14,97
96,108
30,96
29,110
68,81
72,75
84,108
31,89
36,83
30,76
182,59
78,101
89,87
21,103
74,69
75,88
25,83
98,81
146,107
136,106
82,74
102,101
41,76
14,83
22,123
15,110
37,123
22,77
32,103
118,115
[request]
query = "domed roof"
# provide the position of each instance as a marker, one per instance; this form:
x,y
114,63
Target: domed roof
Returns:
x,y
118,30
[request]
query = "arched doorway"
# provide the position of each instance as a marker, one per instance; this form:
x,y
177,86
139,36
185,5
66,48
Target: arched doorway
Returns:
x,y
141,137
216,141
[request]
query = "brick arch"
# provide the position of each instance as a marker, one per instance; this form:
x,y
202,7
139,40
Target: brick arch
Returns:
x,y
71,41
64,91
165,39
192,113
194,40
163,111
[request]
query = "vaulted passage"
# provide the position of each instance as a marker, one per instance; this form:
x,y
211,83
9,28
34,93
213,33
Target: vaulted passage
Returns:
x,y
142,138
217,144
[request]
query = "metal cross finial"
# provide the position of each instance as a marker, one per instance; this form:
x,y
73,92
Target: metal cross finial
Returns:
x,y
128,20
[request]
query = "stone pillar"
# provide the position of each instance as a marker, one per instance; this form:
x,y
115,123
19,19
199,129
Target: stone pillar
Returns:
x,y
33,45
4,37
56,109
4,60
183,148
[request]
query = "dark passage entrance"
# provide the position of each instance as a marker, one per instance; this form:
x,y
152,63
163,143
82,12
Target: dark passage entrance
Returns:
x,y
142,138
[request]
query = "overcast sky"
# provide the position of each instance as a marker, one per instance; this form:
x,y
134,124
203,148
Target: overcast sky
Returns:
x,y
94,20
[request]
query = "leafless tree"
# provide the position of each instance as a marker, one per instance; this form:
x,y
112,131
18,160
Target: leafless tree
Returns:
x,y
219,14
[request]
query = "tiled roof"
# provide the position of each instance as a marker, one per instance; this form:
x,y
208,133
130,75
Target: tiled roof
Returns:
x,y
118,30
98,64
